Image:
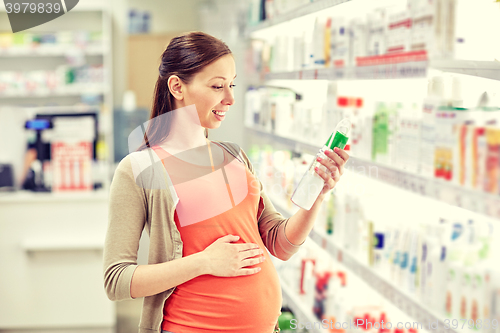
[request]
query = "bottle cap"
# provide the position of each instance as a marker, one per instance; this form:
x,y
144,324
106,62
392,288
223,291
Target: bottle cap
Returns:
x,y
342,101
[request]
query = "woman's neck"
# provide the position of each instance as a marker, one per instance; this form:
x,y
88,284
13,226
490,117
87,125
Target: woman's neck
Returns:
x,y
185,130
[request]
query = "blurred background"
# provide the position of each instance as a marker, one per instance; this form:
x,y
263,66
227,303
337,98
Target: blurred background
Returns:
x,y
410,234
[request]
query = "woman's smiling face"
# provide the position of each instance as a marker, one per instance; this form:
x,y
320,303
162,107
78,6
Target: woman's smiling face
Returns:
x,y
211,90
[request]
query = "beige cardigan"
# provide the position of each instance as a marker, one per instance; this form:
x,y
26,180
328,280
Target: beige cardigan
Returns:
x,y
142,196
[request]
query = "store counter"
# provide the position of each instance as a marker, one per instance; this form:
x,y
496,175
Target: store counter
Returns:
x,y
51,260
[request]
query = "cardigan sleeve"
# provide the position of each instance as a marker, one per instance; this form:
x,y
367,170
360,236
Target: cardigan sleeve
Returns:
x,y
126,220
271,223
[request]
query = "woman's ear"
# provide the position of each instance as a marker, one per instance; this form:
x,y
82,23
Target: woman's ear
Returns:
x,y
176,87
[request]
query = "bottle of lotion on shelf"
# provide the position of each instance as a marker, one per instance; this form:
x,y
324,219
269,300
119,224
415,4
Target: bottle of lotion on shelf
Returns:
x,y
434,100
311,183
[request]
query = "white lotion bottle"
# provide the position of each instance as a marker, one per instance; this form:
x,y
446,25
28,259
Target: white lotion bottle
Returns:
x,y
311,183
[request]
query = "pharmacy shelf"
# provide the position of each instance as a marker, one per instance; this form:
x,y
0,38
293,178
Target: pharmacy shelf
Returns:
x,y
70,90
438,189
23,197
60,108
403,300
296,303
296,13
396,70
295,145
51,51
35,245
485,69
403,70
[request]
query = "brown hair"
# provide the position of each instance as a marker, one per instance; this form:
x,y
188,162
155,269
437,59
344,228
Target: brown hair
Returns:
x,y
185,56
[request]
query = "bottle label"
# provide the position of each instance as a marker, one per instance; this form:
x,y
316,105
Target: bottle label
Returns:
x,y
339,140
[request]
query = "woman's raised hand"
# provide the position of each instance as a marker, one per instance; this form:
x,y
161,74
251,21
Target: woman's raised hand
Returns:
x,y
225,259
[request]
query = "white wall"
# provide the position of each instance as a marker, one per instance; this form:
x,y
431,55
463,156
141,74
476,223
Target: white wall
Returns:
x,y
170,15
166,16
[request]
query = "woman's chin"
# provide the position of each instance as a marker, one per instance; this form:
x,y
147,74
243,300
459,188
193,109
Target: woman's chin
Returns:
x,y
213,126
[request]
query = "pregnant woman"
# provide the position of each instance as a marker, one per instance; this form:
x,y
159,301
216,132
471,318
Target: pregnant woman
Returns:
x,y
209,221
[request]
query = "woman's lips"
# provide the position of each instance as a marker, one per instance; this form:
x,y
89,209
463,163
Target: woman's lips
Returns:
x,y
218,117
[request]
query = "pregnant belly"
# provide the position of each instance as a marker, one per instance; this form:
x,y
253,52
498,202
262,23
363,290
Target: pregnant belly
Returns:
x,y
226,304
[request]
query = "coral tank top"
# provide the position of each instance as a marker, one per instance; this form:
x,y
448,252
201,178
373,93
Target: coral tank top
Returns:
x,y
215,201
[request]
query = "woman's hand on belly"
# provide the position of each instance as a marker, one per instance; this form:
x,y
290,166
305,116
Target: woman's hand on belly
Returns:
x,y
224,259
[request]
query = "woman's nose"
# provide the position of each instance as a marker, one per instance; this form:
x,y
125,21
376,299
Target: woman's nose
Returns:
x,y
229,97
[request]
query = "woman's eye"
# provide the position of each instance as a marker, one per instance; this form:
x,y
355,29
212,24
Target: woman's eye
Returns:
x,y
232,86
217,87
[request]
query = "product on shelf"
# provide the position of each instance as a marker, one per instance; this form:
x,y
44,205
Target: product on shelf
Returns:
x,y
441,261
62,80
139,21
376,32
49,43
358,39
323,281
409,31
433,27
436,138
318,43
434,100
339,42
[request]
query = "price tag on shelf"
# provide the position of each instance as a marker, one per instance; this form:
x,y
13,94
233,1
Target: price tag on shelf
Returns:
x,y
422,185
365,274
408,307
315,237
420,315
467,201
414,184
322,74
476,202
411,310
394,177
460,199
384,289
400,301
405,183
429,318
397,300
347,260
436,190
495,202
340,258
339,73
308,74
356,270
376,283
324,243
362,72
447,193
441,328
331,249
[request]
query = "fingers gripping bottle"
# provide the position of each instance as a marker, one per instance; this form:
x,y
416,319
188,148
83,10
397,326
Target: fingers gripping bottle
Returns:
x,y
311,183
